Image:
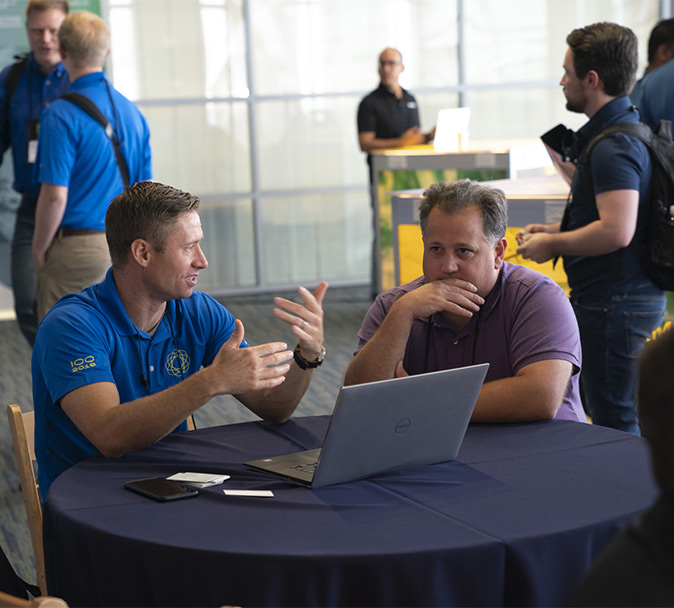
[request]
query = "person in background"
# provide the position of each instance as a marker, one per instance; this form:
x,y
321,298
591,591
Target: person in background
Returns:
x,y
77,166
121,364
656,92
36,80
660,51
616,305
636,567
388,117
470,307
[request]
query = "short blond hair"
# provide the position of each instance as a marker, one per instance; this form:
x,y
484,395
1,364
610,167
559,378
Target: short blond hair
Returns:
x,y
85,38
40,6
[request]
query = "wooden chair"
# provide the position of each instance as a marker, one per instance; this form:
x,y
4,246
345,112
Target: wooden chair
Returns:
x,y
22,427
44,601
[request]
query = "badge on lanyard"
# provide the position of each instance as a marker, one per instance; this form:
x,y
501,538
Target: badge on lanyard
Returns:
x,y
33,128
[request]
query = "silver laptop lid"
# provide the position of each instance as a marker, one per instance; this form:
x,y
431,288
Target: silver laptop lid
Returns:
x,y
406,421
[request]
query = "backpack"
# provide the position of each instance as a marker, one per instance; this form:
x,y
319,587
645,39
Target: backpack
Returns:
x,y
656,253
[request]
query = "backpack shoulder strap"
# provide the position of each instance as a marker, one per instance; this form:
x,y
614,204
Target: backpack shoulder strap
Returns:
x,y
92,110
11,82
640,131
14,75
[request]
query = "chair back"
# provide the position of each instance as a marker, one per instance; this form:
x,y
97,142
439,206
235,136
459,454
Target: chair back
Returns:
x,y
22,427
44,601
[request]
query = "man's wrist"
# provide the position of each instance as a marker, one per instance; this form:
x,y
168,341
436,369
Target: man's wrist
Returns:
x,y
303,363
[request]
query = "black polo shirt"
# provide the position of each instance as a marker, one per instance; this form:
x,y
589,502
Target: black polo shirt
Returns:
x,y
389,117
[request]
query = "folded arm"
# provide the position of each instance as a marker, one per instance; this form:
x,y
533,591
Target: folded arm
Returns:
x,y
536,392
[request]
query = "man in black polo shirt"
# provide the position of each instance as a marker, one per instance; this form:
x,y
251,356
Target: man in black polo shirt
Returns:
x,y
389,117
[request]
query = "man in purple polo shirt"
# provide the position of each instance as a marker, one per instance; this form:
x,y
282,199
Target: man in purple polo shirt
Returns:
x,y
471,306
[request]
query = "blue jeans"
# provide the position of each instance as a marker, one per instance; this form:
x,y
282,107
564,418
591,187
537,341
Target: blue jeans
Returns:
x,y
613,331
23,269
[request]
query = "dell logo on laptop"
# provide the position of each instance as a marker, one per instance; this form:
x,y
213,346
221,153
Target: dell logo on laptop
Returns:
x,y
403,425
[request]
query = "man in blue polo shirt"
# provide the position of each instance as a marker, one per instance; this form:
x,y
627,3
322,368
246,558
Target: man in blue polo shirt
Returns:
x,y
121,364
616,305
41,79
77,166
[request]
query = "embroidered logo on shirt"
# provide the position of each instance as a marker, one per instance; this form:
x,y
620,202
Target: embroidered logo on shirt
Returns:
x,y
177,363
411,105
82,363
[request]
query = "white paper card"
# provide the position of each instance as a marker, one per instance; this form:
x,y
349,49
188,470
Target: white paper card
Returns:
x,y
258,493
201,480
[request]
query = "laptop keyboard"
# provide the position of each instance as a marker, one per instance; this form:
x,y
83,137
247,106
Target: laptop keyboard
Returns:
x,y
308,467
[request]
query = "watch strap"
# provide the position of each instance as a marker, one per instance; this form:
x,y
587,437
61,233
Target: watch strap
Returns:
x,y
302,363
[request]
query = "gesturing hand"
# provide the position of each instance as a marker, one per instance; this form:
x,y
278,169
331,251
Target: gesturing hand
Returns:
x,y
306,322
239,370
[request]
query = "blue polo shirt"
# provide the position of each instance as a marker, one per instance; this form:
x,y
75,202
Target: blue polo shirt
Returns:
x,y
74,151
88,337
619,162
656,97
33,93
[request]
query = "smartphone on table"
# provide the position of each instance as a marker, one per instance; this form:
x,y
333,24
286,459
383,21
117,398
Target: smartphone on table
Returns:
x,y
160,489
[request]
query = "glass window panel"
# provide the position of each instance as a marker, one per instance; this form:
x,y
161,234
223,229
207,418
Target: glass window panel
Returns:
x,y
309,143
431,103
319,46
229,244
176,49
310,238
518,113
202,148
503,46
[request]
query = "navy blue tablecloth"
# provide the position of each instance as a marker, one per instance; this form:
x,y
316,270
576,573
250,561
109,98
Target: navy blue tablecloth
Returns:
x,y
515,521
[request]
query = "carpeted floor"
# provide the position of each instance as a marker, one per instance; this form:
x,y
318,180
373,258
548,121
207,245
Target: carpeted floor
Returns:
x,y
344,310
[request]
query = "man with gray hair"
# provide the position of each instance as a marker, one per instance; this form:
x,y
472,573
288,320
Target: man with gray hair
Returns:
x,y
78,168
469,307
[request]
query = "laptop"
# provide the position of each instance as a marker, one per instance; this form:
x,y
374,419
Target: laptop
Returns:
x,y
382,425
452,132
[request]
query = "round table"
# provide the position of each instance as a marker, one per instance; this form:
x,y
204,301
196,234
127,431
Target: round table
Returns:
x,y
515,520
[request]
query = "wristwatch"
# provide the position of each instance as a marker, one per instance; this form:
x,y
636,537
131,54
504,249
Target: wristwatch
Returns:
x,y
302,363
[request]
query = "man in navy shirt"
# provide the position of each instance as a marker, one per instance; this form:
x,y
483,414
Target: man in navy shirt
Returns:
x,y
77,166
616,305
42,80
121,364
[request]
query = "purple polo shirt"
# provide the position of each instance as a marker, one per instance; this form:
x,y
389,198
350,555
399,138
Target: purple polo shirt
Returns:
x,y
525,318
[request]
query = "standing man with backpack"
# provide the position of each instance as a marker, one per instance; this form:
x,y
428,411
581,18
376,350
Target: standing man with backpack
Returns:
x,y
616,304
27,87
82,166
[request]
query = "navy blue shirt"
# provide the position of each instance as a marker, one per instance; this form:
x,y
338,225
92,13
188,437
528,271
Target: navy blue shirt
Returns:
x,y
619,162
34,92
